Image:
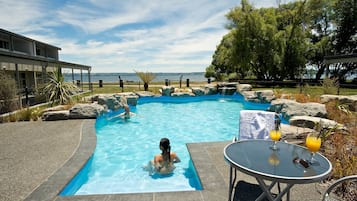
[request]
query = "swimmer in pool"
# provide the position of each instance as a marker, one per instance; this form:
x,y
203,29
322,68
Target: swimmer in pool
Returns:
x,y
127,114
163,163
124,115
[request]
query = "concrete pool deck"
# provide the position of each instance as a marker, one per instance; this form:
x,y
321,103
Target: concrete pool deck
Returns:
x,y
37,159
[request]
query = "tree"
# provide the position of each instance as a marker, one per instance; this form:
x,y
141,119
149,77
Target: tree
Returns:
x,y
320,20
267,42
146,77
293,24
57,89
222,59
345,38
278,43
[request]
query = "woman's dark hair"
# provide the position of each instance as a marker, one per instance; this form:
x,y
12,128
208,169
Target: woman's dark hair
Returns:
x,y
165,143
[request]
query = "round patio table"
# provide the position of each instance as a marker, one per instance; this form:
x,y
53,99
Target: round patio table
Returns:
x,y
256,158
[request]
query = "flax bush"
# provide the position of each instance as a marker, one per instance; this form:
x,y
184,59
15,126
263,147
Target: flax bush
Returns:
x,y
146,77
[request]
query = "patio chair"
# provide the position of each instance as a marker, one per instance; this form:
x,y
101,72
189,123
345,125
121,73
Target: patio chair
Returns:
x,y
254,124
329,194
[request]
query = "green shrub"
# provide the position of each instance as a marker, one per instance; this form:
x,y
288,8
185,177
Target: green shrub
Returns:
x,y
8,101
330,86
24,115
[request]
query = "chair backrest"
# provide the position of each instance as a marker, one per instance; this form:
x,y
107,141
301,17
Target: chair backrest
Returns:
x,y
255,124
329,193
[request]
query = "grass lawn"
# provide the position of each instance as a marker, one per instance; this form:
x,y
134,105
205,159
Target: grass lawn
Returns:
x,y
312,91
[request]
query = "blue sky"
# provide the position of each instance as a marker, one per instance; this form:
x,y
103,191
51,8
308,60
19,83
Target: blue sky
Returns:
x,y
126,35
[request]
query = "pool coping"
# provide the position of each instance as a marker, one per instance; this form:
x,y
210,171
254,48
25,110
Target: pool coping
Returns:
x,y
213,184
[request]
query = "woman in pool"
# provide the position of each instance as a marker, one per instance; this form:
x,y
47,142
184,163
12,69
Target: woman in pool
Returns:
x,y
124,115
127,114
164,163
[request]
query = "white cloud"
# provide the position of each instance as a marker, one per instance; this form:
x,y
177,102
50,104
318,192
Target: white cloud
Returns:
x,y
119,36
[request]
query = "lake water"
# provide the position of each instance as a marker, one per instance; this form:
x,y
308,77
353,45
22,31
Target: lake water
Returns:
x,y
114,77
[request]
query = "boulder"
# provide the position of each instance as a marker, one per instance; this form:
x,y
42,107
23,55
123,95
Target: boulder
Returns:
x,y
144,94
227,90
294,134
55,115
244,87
210,89
227,84
132,100
311,122
290,108
262,96
86,111
167,90
110,100
349,101
198,91
182,94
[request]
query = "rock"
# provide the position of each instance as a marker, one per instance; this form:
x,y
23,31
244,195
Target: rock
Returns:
x,y
167,90
244,87
182,94
198,91
262,96
145,94
350,101
110,100
310,122
210,89
132,100
227,90
290,108
227,84
55,115
293,133
86,111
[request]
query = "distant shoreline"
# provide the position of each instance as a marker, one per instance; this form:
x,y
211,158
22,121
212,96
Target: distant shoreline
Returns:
x,y
132,77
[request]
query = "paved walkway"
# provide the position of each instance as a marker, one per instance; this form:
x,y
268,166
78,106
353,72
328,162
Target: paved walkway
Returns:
x,y
38,158
30,152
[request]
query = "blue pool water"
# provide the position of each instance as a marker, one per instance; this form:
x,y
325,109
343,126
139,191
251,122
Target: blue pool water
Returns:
x,y
124,146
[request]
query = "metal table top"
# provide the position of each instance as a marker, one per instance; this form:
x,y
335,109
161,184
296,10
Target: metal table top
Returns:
x,y
255,158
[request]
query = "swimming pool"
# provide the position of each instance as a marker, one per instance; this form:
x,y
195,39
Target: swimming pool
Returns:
x,y
124,146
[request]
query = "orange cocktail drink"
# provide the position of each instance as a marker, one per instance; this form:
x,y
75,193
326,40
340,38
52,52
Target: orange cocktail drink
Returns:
x,y
313,143
275,135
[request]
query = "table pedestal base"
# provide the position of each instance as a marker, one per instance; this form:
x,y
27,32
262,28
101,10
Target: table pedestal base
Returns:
x,y
267,191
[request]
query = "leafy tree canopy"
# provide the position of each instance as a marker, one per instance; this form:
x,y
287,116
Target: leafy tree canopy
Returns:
x,y
278,43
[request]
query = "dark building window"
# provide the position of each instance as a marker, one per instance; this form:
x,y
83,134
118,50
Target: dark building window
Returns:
x,y
4,44
38,51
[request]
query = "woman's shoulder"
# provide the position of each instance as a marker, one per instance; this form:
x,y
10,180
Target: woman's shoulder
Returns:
x,y
173,154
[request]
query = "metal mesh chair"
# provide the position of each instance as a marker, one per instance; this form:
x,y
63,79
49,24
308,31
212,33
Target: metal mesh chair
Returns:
x,y
351,181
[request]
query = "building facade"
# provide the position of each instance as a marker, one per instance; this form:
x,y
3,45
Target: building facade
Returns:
x,y
29,61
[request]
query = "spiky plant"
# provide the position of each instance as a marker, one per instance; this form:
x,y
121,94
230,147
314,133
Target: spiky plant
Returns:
x,y
146,77
58,89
